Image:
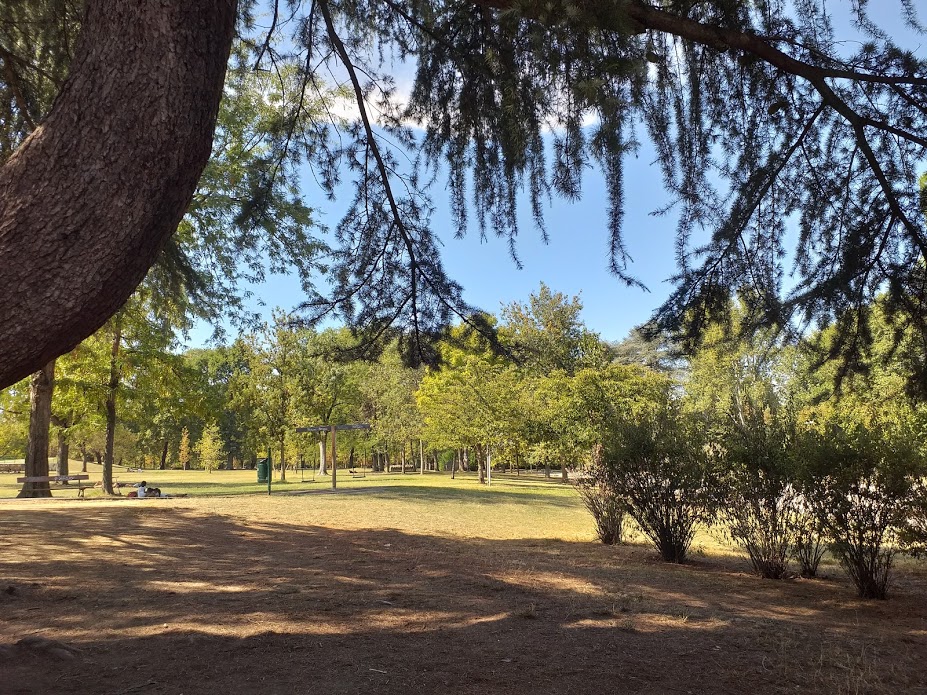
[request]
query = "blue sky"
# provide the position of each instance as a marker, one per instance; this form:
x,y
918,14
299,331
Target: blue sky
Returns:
x,y
575,261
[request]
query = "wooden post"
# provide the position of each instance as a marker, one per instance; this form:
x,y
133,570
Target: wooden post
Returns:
x,y
334,459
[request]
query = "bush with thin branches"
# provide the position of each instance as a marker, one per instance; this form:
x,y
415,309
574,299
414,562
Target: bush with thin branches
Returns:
x,y
659,466
760,507
861,481
606,507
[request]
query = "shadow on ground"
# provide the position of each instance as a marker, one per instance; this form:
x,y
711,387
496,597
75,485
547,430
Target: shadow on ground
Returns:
x,y
162,600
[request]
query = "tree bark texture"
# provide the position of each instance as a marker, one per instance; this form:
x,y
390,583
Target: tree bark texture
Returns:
x,y
163,464
41,388
323,467
92,194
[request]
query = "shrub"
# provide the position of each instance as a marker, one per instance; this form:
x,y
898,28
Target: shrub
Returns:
x,y
603,503
861,482
657,464
809,544
760,517
760,501
913,533
606,508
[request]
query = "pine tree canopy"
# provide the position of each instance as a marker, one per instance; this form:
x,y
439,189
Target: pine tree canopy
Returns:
x,y
791,148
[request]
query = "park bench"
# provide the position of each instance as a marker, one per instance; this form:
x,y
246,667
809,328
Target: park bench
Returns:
x,y
8,467
78,478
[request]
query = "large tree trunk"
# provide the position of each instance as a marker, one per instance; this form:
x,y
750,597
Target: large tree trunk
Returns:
x,y
41,388
163,465
90,197
112,389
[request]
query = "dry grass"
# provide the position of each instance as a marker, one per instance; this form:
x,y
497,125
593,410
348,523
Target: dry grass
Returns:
x,y
419,588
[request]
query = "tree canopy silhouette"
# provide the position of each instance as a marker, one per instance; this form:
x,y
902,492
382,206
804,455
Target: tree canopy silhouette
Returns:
x,y
761,115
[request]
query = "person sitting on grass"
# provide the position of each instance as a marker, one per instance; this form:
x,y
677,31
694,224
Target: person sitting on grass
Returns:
x,y
142,490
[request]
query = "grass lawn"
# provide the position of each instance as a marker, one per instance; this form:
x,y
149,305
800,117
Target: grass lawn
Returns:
x,y
414,584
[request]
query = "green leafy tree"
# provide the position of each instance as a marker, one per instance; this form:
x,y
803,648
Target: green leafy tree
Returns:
x,y
805,125
209,447
183,455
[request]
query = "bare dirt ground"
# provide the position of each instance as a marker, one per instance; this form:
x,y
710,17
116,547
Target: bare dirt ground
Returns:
x,y
166,598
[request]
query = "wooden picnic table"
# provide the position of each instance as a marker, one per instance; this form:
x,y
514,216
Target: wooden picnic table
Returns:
x,y
77,477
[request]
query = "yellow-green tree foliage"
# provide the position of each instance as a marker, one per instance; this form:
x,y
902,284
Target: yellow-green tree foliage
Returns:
x,y
209,447
184,454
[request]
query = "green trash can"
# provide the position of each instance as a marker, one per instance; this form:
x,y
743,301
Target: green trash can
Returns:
x,y
263,468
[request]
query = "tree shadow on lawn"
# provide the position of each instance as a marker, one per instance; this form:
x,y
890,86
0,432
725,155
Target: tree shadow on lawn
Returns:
x,y
476,495
174,601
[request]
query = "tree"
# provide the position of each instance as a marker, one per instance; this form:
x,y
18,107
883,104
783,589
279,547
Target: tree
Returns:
x,y
51,203
546,333
209,447
183,456
761,97
40,388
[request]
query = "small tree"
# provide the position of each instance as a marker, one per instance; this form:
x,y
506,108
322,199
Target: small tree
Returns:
x,y
660,468
209,447
183,454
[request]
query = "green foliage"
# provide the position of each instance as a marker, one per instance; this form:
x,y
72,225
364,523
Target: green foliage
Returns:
x,y
862,469
183,455
603,503
659,465
209,447
762,505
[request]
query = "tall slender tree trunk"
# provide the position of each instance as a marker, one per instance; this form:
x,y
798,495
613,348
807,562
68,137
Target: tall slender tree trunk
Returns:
x,y
421,456
402,458
283,457
323,460
479,464
64,447
564,473
163,464
41,388
112,390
